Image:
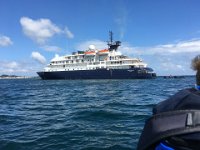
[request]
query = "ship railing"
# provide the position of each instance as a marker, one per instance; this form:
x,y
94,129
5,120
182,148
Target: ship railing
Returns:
x,y
96,65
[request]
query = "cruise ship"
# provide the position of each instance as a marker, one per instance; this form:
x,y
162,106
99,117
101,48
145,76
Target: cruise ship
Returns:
x,y
108,63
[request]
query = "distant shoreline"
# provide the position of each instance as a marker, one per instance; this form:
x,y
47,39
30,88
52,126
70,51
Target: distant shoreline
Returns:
x,y
14,77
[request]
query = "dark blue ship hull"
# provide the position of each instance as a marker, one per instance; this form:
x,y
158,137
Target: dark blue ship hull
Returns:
x,y
136,73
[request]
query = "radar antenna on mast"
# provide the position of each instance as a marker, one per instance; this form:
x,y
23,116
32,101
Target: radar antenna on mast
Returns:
x,y
113,45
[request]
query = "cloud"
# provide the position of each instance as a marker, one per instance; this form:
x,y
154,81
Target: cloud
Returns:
x,y
21,68
39,30
38,57
181,47
169,66
68,33
191,46
11,67
5,41
51,48
98,45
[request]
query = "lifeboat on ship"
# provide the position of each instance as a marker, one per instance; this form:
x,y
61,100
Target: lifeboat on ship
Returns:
x,y
90,53
103,52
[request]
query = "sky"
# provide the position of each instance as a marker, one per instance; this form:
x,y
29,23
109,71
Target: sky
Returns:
x,y
164,34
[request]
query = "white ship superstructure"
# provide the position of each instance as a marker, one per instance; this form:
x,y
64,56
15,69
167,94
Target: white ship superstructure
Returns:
x,y
94,59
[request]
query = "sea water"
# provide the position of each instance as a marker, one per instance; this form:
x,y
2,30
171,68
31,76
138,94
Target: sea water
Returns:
x,y
79,114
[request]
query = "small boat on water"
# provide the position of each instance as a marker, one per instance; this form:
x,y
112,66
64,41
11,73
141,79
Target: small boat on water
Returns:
x,y
173,77
108,63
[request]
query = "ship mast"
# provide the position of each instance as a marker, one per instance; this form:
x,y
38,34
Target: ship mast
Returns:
x,y
113,45
111,36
